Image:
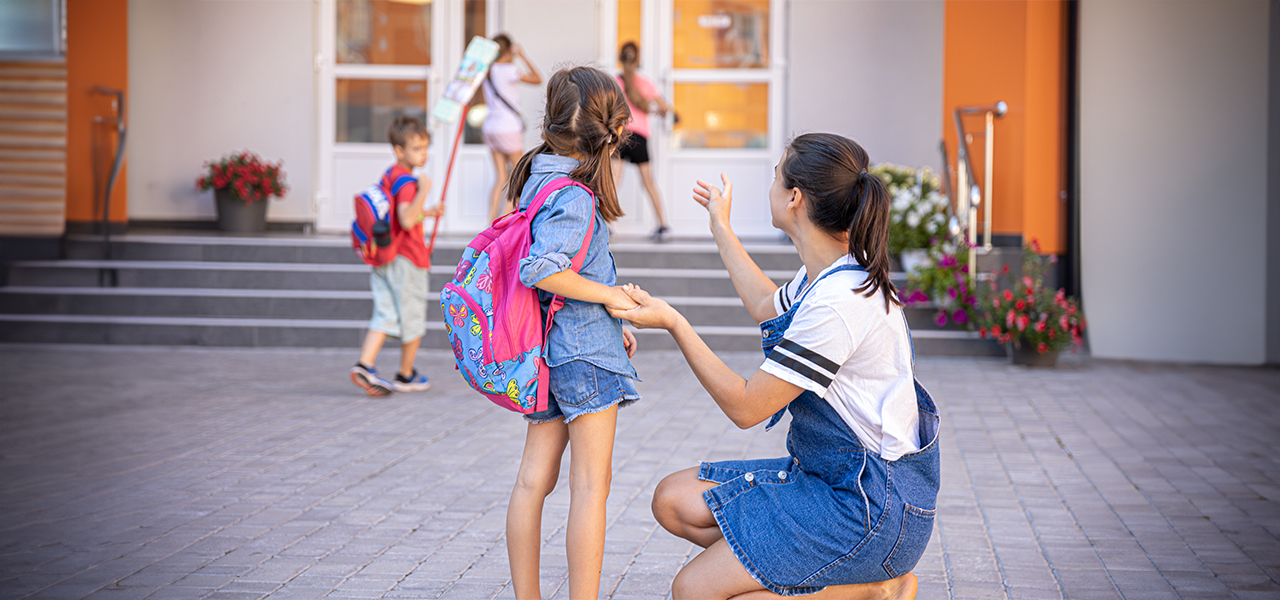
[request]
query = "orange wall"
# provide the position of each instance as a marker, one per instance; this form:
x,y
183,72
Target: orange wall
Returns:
x,y
1015,51
97,54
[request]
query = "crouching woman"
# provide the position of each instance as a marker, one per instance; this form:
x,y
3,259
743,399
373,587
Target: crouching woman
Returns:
x,y
848,513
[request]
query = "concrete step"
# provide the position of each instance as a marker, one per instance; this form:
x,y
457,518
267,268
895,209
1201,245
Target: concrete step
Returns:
x,y
337,249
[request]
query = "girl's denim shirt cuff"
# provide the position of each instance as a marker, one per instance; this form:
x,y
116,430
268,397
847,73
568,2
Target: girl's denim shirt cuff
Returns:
x,y
536,268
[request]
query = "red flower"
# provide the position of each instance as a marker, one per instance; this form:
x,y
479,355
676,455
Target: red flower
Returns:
x,y
1052,333
1008,296
1022,322
1020,304
1039,327
1008,318
1027,282
995,330
1042,347
982,332
1062,322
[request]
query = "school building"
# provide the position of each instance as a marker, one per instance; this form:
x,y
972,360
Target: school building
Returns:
x,y
1141,141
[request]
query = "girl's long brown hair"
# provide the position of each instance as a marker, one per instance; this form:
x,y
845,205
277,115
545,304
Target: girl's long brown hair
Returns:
x,y
831,170
585,113
629,56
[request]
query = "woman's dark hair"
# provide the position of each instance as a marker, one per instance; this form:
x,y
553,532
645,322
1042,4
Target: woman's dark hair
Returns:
x,y
504,43
585,112
629,56
831,170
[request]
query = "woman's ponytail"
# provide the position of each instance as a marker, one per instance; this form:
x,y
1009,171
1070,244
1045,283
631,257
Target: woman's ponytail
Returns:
x,y
845,199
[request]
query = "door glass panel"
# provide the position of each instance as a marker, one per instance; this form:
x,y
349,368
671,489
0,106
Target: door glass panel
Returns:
x,y
30,27
474,24
721,115
720,34
384,32
366,107
628,25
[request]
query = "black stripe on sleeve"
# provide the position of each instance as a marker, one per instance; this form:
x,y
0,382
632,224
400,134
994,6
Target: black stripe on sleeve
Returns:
x,y
800,368
784,297
809,355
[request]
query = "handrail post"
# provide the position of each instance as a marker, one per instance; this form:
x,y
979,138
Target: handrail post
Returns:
x,y
967,197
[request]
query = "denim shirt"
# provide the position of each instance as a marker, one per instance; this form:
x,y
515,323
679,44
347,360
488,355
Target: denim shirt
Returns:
x,y
583,330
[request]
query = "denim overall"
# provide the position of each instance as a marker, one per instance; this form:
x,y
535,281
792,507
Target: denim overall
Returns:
x,y
832,512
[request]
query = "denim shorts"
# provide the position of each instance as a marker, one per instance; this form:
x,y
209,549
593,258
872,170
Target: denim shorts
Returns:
x,y
580,388
399,299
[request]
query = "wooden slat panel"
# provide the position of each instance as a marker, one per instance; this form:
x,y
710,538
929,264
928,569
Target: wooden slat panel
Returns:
x,y
34,127
34,154
33,139
47,167
34,142
26,192
34,99
46,180
28,207
32,85
39,114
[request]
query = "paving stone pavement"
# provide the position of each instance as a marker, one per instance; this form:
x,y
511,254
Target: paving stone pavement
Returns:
x,y
222,473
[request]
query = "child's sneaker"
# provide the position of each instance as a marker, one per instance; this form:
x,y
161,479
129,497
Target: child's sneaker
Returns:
x,y
368,380
414,383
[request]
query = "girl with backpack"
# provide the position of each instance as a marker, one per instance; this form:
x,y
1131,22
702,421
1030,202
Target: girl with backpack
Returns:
x,y
849,512
587,351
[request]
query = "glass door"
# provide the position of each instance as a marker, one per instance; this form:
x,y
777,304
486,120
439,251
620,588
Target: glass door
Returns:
x,y
719,63
376,63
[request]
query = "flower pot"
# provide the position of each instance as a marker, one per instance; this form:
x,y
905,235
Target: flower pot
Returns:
x,y
238,216
1027,356
914,258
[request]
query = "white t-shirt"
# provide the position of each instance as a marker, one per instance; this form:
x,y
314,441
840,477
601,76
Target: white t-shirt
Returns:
x,y
506,78
844,347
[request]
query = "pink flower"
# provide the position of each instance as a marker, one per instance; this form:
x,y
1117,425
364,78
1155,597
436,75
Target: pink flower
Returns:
x,y
960,316
941,318
951,291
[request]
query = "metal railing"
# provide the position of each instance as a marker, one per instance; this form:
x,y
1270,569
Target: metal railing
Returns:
x,y
969,196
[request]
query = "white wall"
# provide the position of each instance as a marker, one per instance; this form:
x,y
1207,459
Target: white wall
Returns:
x,y
554,33
1173,167
208,78
870,70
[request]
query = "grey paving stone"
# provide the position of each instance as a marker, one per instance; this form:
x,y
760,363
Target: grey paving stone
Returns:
x,y
268,473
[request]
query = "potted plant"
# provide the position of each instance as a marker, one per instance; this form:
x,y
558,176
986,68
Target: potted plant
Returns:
x,y
918,213
943,282
241,184
1034,322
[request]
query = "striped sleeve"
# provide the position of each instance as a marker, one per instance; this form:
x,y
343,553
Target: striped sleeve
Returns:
x,y
811,352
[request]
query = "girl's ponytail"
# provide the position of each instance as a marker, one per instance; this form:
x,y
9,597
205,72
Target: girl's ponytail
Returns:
x,y
845,199
585,116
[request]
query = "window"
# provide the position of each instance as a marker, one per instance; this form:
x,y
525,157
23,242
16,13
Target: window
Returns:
x,y
721,115
720,34
366,107
384,32
31,28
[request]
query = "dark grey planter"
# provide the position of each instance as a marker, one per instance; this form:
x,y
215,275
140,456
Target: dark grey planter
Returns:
x,y
1027,356
238,216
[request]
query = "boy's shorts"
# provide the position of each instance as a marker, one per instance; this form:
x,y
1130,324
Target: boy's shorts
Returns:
x,y
581,388
399,299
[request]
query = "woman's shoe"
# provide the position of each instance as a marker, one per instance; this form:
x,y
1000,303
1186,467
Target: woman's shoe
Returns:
x,y
660,234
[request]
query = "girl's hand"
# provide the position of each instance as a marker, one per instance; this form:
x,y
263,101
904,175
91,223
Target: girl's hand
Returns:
x,y
629,342
651,313
620,300
716,202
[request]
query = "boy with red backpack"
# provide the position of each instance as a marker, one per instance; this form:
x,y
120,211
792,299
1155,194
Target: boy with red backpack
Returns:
x,y
388,236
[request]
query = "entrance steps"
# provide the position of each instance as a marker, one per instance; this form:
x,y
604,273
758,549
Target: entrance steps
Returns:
x,y
294,290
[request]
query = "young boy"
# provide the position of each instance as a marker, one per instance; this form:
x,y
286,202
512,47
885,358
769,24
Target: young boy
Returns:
x,y
400,286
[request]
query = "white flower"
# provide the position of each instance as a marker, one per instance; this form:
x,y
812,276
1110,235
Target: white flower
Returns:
x,y
901,200
913,219
931,227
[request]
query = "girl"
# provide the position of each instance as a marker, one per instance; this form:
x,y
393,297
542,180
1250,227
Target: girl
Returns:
x,y
503,126
642,98
588,352
849,512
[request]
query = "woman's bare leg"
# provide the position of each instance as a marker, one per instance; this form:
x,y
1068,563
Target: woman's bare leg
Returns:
x,y
539,469
679,508
646,176
590,474
716,574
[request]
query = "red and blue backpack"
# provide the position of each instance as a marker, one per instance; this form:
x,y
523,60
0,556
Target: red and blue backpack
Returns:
x,y
371,230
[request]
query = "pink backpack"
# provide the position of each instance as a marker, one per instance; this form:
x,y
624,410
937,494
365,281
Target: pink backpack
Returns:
x,y
493,321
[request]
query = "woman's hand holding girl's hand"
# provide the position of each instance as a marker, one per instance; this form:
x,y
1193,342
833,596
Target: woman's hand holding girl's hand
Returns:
x,y
716,202
620,300
651,313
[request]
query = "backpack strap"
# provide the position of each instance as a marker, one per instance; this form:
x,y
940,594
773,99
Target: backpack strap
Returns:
x,y
400,182
578,259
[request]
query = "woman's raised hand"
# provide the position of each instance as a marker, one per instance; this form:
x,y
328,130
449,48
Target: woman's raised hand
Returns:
x,y
652,313
715,201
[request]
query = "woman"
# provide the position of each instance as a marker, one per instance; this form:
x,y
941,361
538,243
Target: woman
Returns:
x,y
503,126
643,98
848,513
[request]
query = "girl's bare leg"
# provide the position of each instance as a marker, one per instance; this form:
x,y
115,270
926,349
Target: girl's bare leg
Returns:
x,y
646,176
539,469
500,168
590,474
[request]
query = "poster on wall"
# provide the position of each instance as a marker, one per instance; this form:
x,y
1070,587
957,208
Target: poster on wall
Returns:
x,y
475,65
